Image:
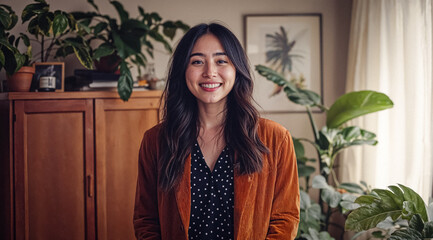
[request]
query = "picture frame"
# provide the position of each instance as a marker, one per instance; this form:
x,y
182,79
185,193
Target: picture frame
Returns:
x,y
264,33
56,69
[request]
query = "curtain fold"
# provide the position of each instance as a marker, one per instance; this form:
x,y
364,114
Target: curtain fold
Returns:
x,y
390,51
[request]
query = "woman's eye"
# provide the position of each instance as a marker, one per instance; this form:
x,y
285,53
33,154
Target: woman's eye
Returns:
x,y
196,62
221,61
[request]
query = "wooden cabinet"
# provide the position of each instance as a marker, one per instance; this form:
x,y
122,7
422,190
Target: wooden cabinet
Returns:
x,y
69,163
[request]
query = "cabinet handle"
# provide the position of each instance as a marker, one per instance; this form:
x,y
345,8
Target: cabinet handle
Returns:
x,y
89,186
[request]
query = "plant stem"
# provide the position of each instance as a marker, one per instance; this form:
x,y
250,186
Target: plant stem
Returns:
x,y
42,48
331,168
313,124
328,216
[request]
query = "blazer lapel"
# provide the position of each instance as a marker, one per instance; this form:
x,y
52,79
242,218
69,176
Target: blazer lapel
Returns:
x,y
183,195
243,185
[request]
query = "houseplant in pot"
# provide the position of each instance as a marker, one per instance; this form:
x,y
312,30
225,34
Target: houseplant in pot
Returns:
x,y
16,64
125,41
50,29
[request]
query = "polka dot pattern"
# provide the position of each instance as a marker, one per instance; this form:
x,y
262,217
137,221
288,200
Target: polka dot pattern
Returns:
x,y
212,197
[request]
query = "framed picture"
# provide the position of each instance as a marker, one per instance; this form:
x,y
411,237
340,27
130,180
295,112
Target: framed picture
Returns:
x,y
43,69
290,44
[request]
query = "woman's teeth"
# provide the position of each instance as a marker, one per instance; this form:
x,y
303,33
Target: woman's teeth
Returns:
x,y
210,85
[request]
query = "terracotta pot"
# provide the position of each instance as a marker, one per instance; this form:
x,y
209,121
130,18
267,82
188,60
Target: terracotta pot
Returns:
x,y
108,63
21,80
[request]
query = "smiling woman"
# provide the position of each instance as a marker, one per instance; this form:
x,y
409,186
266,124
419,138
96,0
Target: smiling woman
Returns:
x,y
213,169
210,74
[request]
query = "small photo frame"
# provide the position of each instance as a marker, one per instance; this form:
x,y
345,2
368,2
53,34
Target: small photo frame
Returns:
x,y
56,69
290,44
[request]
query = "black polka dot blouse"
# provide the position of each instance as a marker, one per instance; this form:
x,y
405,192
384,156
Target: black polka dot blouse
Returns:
x,y
212,197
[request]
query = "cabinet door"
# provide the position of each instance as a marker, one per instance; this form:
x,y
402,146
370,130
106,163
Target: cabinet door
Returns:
x,y
54,158
119,129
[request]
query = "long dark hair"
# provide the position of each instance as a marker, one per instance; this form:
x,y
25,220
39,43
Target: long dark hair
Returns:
x,y
180,126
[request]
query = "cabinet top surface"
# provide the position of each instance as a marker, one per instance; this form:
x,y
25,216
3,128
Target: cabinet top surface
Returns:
x,y
75,95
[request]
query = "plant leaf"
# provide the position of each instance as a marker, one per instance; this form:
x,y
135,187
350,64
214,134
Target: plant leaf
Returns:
x,y
406,234
412,196
125,82
331,197
124,16
352,187
83,56
33,9
103,50
2,60
91,2
428,230
60,23
416,223
304,171
355,104
394,204
272,76
320,182
100,27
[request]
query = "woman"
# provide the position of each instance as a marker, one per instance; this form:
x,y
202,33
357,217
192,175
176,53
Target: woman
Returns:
x,y
213,169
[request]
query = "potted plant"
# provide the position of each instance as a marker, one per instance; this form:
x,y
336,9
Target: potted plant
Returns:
x,y
16,64
50,30
124,41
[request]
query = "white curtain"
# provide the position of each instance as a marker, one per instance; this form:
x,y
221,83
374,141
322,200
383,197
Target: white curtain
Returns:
x,y
390,51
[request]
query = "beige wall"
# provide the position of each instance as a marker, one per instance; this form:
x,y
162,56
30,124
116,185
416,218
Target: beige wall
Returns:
x,y
335,20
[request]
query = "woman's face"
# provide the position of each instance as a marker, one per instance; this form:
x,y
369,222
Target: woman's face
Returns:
x,y
210,74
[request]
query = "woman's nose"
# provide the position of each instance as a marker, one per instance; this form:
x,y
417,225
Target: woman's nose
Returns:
x,y
210,70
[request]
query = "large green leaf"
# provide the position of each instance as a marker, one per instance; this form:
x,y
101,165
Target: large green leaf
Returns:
x,y
413,197
60,23
272,76
383,204
34,9
8,18
125,82
355,104
83,56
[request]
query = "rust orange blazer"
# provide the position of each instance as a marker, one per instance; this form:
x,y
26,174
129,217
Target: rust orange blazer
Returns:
x,y
266,203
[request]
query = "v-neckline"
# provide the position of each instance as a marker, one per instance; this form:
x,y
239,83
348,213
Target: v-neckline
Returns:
x,y
201,156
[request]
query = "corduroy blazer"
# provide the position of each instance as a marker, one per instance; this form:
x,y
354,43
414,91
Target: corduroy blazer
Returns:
x,y
266,204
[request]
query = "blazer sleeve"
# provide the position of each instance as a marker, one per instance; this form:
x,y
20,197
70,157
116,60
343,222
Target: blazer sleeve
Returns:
x,y
286,206
146,217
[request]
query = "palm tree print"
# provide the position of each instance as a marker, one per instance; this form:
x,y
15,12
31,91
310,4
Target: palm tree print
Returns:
x,y
280,54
